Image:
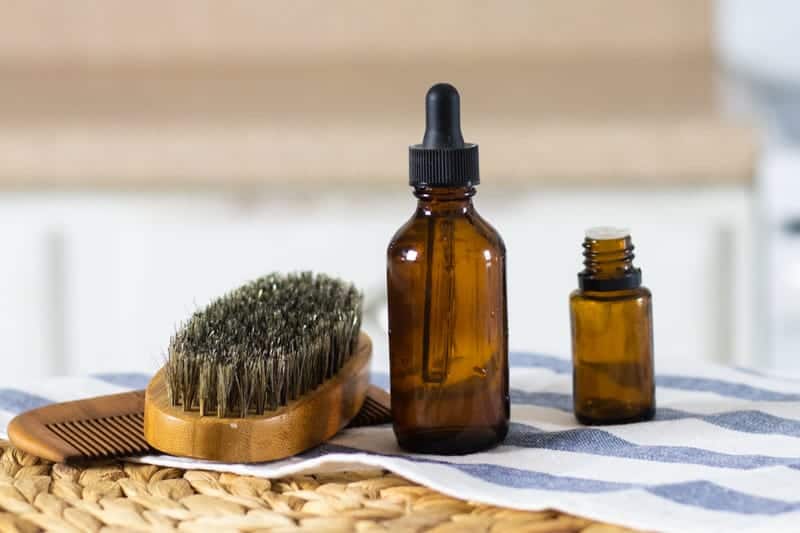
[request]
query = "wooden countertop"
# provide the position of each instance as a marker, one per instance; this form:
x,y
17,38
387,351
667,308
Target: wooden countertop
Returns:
x,y
536,124
195,94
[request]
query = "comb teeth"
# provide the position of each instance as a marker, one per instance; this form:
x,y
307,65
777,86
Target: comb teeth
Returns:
x,y
372,413
104,437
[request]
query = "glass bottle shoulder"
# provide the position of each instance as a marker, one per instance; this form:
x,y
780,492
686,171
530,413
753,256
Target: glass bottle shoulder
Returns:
x,y
468,227
412,230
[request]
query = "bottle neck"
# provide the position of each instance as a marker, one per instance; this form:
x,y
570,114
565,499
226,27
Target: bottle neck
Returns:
x,y
609,265
444,200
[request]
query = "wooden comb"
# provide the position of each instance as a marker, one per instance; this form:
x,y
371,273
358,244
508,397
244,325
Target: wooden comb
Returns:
x,y
113,426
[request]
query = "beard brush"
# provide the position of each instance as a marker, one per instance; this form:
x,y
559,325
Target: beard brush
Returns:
x,y
267,371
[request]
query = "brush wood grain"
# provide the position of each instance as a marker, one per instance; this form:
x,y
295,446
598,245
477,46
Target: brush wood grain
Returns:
x,y
83,429
302,424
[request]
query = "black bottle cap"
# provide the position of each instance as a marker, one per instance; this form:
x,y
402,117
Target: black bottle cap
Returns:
x,y
630,280
443,159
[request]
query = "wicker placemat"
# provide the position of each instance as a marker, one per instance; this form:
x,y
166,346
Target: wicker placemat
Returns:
x,y
120,496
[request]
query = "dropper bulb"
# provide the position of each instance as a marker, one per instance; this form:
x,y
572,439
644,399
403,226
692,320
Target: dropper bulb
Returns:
x,y
442,118
443,159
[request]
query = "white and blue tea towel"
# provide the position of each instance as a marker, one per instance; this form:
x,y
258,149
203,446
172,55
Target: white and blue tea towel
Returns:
x,y
723,453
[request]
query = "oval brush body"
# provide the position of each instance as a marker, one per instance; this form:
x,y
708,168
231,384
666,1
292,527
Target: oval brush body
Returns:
x,y
267,371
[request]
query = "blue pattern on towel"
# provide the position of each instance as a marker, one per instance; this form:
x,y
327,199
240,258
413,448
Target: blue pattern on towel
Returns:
x,y
16,401
748,421
130,380
755,436
717,386
701,494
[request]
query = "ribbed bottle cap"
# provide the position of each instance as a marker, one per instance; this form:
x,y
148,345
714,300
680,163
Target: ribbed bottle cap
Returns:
x,y
443,159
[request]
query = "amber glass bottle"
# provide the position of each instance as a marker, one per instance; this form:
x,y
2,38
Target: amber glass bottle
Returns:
x,y
612,334
448,336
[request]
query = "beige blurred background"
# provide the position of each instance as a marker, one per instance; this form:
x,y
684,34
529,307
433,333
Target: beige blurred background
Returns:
x,y
173,92
153,155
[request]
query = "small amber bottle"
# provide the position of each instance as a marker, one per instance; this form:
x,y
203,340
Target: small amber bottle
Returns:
x,y
447,300
612,334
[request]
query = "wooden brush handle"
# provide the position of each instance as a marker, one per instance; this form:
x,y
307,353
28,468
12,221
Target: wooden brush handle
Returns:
x,y
302,424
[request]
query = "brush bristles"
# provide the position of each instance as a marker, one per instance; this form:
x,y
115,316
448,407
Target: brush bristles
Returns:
x,y
263,344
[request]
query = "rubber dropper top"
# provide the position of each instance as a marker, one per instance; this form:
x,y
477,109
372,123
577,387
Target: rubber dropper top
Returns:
x,y
443,159
443,118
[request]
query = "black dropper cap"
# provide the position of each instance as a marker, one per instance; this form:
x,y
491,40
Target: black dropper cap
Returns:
x,y
443,159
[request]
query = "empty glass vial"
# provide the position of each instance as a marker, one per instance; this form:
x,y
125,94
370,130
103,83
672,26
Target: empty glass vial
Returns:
x,y
612,334
447,300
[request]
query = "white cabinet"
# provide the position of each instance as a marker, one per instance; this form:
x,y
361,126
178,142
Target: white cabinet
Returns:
x,y
96,283
136,279
29,299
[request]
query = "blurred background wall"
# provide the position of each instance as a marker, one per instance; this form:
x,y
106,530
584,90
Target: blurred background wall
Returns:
x,y
153,155
757,43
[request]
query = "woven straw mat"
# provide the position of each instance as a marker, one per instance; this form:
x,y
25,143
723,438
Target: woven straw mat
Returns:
x,y
37,495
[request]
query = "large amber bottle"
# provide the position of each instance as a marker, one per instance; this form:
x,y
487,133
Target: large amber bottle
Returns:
x,y
448,337
612,334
